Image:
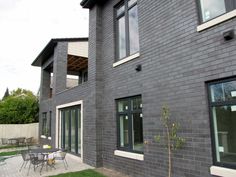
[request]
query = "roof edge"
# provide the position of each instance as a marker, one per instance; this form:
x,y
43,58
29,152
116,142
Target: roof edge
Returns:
x,y
88,3
48,49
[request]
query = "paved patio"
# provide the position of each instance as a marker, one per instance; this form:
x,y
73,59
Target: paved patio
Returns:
x,y
12,166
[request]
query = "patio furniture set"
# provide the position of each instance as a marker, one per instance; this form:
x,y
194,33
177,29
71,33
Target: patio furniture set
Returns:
x,y
17,141
41,157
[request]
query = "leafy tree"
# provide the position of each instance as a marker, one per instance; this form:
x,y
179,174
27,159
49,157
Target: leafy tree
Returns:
x,y
21,106
172,141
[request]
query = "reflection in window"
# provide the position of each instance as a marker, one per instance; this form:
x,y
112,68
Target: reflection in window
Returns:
x,y
122,40
124,135
224,118
223,114
223,91
137,131
212,8
44,124
133,30
123,106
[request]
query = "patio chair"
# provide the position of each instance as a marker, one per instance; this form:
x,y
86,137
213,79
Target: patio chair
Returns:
x,y
4,141
26,158
29,141
61,155
21,141
37,160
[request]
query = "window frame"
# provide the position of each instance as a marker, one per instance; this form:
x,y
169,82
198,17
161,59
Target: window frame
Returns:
x,y
124,14
129,112
228,4
212,130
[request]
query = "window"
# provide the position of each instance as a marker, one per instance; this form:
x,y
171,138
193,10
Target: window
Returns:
x,y
214,8
49,124
222,103
130,124
85,76
46,124
71,129
127,29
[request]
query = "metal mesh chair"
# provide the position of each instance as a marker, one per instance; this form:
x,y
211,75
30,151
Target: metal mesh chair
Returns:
x,y
36,160
29,141
26,157
4,141
61,155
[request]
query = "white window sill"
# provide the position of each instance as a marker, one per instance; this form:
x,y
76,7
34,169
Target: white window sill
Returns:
x,y
129,155
124,60
43,136
217,20
223,172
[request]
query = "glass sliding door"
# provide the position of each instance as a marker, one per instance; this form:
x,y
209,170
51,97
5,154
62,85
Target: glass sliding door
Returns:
x,y
67,130
71,129
78,138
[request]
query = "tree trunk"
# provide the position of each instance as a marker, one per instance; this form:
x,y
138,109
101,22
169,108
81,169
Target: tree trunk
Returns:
x,y
169,151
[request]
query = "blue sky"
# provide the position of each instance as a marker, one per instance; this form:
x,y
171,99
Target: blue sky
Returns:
x,y
26,26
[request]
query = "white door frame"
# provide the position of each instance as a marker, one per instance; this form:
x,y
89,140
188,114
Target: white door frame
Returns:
x,y
58,118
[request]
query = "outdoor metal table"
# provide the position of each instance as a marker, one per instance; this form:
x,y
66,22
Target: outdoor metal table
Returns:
x,y
46,152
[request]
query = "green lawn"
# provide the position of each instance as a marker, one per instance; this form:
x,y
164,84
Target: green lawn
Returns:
x,y
11,146
8,153
84,173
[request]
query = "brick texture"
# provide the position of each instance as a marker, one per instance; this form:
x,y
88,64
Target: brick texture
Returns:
x,y
176,62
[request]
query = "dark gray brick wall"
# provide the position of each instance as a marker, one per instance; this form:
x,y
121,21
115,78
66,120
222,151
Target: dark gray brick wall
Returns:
x,y
90,93
177,61
59,67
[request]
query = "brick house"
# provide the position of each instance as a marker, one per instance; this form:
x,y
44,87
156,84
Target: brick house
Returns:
x,y
143,54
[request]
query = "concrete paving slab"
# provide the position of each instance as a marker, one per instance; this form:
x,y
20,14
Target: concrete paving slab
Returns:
x,y
13,164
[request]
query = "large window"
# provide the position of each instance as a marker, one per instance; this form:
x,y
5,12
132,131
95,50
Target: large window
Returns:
x,y
223,121
130,124
71,129
214,8
127,28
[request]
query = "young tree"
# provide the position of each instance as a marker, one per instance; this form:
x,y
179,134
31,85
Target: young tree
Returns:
x,y
172,141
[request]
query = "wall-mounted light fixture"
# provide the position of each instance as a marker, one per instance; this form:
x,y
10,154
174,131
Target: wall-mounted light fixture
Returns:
x,y
228,35
138,68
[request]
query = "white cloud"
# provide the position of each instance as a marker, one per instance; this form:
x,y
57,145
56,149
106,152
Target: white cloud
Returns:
x,y
26,27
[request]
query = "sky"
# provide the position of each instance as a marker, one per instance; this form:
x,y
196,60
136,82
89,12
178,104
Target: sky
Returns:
x,y
26,26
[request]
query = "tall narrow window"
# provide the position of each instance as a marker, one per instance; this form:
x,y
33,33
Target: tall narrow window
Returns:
x,y
44,124
127,28
130,124
223,118
49,124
